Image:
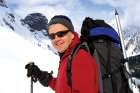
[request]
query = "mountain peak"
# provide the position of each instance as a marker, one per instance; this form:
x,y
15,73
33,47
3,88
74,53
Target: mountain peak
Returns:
x,y
36,21
132,35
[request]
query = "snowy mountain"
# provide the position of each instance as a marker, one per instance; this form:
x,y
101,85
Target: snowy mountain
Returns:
x,y
132,40
36,21
132,35
33,27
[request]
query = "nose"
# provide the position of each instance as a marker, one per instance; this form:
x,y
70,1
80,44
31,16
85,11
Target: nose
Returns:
x,y
56,37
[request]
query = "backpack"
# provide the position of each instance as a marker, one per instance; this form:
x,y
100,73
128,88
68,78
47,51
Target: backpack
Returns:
x,y
102,41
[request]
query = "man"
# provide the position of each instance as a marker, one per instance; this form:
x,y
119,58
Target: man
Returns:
x,y
84,68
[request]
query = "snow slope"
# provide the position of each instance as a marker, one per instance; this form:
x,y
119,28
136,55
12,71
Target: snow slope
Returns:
x,y
18,47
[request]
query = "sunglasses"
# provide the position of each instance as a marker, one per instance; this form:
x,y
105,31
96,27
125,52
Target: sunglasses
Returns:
x,y
59,34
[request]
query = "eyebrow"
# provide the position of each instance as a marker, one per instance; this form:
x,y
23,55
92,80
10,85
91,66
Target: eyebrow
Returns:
x,y
60,31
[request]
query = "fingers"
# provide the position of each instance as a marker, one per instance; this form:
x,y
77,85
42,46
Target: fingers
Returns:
x,y
33,71
29,65
29,68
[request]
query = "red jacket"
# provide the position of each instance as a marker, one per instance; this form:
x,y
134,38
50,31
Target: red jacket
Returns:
x,y
84,72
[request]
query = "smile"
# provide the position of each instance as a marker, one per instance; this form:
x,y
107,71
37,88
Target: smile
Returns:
x,y
59,43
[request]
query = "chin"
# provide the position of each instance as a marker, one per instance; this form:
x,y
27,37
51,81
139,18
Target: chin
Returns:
x,y
61,51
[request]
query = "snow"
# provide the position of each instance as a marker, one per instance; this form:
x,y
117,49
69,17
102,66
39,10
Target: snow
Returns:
x,y
15,53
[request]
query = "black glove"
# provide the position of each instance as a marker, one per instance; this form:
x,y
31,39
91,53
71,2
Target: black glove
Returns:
x,y
43,76
33,71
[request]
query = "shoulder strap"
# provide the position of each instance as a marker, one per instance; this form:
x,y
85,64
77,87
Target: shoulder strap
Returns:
x,y
69,62
108,74
99,71
104,77
70,58
108,57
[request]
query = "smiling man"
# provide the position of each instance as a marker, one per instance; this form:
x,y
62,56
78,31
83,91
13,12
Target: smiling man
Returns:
x,y
61,32
84,74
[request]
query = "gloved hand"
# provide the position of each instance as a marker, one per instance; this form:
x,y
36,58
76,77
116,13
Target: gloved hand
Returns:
x,y
43,76
33,71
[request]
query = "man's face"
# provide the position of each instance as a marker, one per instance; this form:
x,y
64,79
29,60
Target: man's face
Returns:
x,y
60,36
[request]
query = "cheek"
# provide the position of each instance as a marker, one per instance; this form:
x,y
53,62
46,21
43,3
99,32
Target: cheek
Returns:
x,y
70,38
52,42
56,43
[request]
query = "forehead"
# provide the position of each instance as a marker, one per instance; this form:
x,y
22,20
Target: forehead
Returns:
x,y
56,28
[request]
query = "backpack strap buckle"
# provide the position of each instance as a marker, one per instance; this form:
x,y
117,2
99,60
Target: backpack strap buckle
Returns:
x,y
106,76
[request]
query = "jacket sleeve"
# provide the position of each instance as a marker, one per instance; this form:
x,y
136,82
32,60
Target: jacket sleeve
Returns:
x,y
52,83
84,73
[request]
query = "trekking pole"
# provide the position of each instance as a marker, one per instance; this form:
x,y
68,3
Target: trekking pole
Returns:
x,y
123,49
121,38
32,80
31,84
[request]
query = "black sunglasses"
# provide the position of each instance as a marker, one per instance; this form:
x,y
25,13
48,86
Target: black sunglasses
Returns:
x,y
59,34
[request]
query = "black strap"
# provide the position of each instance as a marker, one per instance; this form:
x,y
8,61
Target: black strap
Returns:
x,y
69,63
107,67
108,57
109,75
70,58
99,71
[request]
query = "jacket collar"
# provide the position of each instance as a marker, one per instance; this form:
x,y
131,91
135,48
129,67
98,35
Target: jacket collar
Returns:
x,y
74,42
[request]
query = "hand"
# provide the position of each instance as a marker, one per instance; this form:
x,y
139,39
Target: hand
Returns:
x,y
33,71
43,76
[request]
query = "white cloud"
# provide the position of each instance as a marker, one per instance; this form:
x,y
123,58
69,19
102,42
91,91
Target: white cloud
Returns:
x,y
51,8
77,10
24,2
46,10
113,3
48,7
132,13
128,10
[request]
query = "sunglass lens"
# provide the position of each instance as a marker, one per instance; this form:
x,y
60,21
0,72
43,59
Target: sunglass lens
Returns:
x,y
61,34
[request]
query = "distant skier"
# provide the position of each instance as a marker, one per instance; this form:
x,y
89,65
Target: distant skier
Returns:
x,y
84,68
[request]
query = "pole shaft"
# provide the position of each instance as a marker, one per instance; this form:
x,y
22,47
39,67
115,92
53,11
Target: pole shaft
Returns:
x,y
133,86
31,84
121,38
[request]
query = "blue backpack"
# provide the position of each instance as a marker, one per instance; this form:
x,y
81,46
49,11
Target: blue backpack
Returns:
x,y
103,42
